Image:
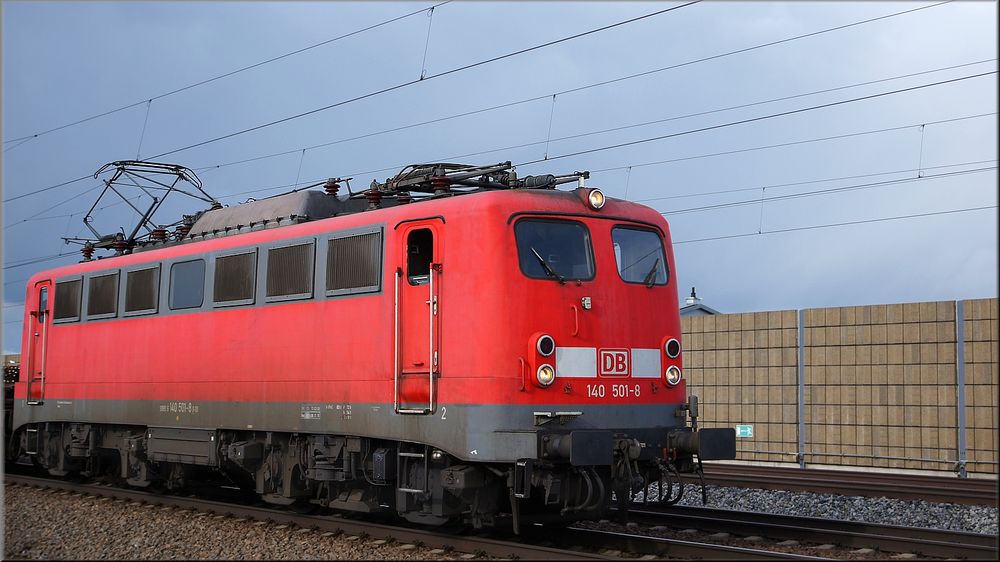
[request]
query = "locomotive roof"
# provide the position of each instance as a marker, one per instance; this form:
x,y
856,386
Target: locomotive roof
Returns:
x,y
280,210
505,202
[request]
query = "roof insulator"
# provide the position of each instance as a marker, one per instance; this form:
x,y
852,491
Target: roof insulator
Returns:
x,y
331,187
374,197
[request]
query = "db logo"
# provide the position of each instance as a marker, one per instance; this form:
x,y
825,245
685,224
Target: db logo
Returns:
x,y
614,362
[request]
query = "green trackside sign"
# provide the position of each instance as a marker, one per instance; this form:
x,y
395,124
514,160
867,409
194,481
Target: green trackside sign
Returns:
x,y
744,431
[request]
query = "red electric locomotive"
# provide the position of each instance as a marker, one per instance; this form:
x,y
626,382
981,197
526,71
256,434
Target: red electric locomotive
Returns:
x,y
456,343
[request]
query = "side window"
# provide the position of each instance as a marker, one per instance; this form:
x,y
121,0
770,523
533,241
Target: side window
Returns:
x,y
68,300
187,284
142,290
102,296
419,255
354,263
234,278
290,272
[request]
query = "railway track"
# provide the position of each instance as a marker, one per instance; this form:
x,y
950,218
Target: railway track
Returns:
x,y
572,543
941,489
922,542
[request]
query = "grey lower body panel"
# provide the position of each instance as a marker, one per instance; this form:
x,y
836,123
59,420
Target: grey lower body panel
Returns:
x,y
472,432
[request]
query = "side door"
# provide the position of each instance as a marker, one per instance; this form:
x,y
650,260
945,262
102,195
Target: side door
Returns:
x,y
39,322
417,326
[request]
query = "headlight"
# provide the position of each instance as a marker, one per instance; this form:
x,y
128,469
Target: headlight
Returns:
x,y
596,199
673,375
545,375
546,345
672,348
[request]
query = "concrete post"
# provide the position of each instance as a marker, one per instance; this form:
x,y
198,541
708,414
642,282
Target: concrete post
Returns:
x,y
801,375
960,381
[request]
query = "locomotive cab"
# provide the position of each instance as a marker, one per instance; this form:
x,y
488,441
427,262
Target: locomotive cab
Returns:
x,y
594,305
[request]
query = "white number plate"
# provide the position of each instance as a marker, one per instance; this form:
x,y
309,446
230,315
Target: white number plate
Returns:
x,y
613,390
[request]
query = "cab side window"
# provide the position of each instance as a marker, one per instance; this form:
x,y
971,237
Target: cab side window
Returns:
x,y
419,255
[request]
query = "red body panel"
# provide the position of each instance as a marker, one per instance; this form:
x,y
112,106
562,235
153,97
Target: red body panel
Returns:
x,y
341,349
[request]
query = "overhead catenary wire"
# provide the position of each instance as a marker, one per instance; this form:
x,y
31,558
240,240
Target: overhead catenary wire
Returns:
x,y
859,98
49,188
584,87
37,260
425,79
225,74
576,89
828,191
785,144
37,216
659,162
832,225
759,118
807,182
312,183
671,135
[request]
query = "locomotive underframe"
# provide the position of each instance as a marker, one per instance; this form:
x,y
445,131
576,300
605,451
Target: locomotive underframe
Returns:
x,y
418,482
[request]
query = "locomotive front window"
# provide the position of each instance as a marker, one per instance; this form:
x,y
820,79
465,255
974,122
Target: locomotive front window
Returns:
x,y
639,255
554,249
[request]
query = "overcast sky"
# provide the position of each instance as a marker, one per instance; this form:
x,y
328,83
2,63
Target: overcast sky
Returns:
x,y
66,61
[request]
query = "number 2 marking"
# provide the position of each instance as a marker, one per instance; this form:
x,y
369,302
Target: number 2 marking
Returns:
x,y
444,410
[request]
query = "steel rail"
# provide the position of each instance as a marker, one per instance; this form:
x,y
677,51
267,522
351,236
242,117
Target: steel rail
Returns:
x,y
886,538
428,538
942,489
513,548
673,548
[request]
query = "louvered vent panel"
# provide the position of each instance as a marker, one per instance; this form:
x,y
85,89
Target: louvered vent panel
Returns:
x,y
290,270
67,299
141,289
354,262
103,295
234,276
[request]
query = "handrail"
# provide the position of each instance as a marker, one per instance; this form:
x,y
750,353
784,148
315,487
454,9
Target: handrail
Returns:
x,y
30,360
432,359
395,351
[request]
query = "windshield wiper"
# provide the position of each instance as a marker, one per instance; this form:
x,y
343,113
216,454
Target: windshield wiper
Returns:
x,y
650,277
547,267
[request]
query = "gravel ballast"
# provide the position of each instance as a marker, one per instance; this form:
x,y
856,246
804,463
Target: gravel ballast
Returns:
x,y
42,524
879,510
45,525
